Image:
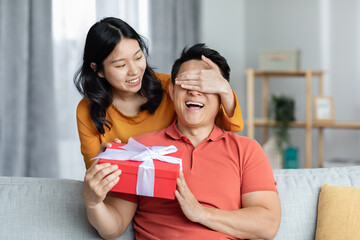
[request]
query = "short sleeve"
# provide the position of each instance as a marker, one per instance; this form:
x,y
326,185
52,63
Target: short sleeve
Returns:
x,y
257,174
128,197
88,135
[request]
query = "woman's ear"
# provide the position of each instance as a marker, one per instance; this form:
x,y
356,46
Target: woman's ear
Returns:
x,y
94,68
171,91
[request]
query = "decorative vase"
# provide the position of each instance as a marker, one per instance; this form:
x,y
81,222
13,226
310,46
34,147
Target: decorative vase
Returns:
x,y
291,157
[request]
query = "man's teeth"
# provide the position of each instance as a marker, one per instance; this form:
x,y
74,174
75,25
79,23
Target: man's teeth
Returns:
x,y
194,104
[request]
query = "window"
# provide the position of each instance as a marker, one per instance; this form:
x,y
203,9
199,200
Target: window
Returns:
x,y
71,22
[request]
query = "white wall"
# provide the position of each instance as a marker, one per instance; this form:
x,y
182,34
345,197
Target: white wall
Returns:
x,y
285,24
223,29
327,33
344,77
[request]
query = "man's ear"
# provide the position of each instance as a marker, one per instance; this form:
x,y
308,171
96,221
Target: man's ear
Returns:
x,y
94,68
171,91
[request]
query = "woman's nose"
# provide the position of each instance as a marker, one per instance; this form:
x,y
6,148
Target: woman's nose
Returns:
x,y
133,69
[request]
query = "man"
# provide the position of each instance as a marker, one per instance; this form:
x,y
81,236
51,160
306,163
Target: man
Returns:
x,y
226,190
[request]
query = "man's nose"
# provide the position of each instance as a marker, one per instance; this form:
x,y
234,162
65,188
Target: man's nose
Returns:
x,y
194,93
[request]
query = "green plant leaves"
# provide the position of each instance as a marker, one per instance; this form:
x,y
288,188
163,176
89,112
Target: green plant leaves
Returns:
x,y
282,110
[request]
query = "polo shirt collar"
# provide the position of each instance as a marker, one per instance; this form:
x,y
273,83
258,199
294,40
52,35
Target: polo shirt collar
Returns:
x,y
216,134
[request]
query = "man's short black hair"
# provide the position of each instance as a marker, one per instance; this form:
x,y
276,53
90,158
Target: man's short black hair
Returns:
x,y
194,53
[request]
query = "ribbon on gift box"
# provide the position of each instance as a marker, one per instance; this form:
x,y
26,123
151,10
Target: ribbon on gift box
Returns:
x,y
134,150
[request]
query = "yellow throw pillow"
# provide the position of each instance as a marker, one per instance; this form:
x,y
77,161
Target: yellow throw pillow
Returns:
x,y
338,213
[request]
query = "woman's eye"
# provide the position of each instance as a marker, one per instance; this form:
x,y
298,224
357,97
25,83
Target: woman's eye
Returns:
x,y
120,66
139,58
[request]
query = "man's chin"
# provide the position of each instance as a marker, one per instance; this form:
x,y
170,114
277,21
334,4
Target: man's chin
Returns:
x,y
191,124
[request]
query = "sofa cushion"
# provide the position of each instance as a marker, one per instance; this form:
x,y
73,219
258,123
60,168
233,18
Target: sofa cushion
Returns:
x,y
38,208
41,208
299,192
338,213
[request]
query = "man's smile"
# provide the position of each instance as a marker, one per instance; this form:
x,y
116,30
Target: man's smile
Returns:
x,y
192,105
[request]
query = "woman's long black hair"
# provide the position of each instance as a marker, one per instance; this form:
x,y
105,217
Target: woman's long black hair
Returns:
x,y
101,39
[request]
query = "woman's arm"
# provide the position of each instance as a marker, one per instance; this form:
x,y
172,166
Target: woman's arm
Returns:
x,y
109,215
259,216
235,122
88,135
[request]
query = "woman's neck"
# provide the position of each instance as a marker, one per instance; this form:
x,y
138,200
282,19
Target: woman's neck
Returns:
x,y
128,104
124,96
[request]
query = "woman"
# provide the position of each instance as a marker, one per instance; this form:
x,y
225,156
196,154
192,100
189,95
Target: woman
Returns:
x,y
123,97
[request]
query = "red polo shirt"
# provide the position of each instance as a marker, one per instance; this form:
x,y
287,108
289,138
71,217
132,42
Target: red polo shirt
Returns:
x,y
217,171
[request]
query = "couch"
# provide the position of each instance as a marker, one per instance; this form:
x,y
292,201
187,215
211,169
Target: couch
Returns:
x,y
40,208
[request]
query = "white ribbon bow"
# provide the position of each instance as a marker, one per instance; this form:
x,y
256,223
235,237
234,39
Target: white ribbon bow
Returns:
x,y
146,172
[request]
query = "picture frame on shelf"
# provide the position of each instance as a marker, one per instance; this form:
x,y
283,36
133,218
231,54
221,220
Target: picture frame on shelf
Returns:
x,y
324,108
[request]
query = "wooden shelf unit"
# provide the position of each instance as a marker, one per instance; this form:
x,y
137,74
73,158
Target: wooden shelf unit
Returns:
x,y
300,124
308,124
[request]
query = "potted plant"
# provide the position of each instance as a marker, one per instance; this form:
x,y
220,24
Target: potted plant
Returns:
x,y
282,109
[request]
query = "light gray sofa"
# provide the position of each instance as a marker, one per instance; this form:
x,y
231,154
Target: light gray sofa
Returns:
x,y
38,208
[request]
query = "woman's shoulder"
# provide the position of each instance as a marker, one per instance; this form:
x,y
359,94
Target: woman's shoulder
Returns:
x,y
83,107
164,79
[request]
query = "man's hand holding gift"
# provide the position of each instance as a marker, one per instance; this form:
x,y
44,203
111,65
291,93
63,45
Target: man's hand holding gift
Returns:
x,y
191,208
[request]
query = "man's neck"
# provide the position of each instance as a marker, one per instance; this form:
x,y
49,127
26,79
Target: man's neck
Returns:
x,y
195,134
